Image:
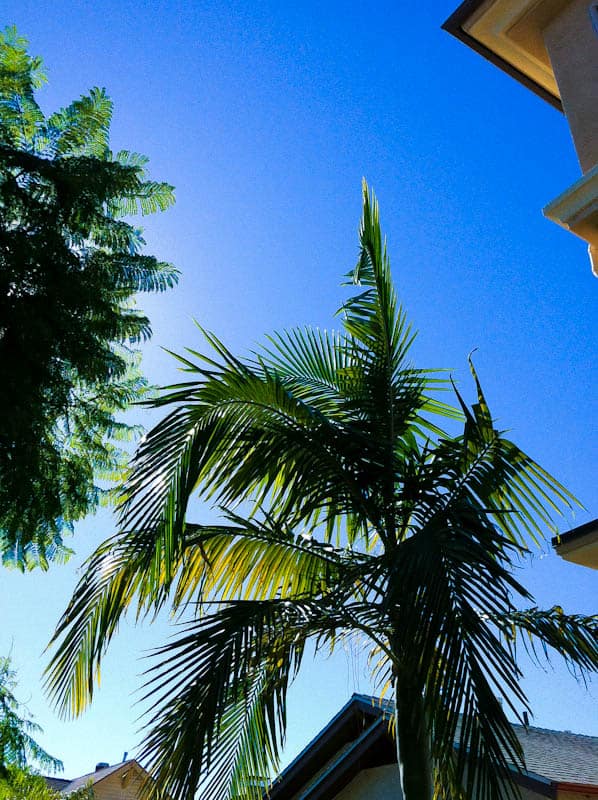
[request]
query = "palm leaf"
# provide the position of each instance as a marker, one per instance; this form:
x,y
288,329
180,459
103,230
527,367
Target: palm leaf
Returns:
x,y
573,637
218,697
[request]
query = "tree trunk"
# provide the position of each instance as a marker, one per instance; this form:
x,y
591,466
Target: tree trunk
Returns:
x,y
413,743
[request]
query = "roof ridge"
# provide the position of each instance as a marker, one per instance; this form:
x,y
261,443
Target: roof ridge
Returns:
x,y
381,702
560,732
102,773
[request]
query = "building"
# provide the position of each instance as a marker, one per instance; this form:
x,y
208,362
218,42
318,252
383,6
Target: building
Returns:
x,y
579,545
551,47
354,758
117,782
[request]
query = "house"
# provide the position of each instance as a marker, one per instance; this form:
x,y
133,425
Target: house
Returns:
x,y
117,782
551,47
579,545
354,758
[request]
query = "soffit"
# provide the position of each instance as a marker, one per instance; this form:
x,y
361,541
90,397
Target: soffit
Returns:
x,y
511,34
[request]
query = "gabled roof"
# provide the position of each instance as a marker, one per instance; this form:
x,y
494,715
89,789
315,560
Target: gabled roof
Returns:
x,y
56,783
561,756
68,786
354,738
358,738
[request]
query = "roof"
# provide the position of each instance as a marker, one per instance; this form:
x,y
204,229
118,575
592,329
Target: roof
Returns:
x,y
456,25
358,738
575,534
560,756
580,544
355,738
56,783
67,786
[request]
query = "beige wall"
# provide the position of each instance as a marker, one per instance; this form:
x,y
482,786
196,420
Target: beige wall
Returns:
x,y
572,45
382,783
123,785
379,783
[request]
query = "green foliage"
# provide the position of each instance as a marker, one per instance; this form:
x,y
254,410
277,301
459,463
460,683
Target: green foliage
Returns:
x,y
366,520
19,750
23,784
17,745
70,267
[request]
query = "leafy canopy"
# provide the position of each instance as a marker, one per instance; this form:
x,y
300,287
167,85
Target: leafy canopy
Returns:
x,y
347,511
70,267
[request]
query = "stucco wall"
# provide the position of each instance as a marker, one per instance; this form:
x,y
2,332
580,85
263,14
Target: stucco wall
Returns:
x,y
379,783
123,785
382,783
572,45
527,794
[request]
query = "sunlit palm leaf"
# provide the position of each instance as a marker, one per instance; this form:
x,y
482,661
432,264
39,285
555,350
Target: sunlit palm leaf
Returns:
x,y
218,696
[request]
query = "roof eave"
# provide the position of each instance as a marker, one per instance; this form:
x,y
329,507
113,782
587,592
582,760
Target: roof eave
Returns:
x,y
343,717
579,545
455,26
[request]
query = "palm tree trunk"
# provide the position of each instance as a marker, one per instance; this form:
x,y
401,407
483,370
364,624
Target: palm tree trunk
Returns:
x,y
413,743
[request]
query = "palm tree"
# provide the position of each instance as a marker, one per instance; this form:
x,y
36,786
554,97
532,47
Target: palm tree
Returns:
x,y
346,511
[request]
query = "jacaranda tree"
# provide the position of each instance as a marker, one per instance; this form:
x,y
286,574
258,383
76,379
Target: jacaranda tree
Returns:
x,y
70,266
347,511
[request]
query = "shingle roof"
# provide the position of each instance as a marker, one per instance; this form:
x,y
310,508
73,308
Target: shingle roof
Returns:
x,y
560,756
68,786
552,757
56,783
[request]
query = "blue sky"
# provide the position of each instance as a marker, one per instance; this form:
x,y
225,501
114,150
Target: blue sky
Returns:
x,y
265,116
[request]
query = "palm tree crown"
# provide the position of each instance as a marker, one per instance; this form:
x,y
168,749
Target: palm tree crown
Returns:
x,y
346,510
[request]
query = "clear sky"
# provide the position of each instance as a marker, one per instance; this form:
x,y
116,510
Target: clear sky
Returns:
x,y
265,115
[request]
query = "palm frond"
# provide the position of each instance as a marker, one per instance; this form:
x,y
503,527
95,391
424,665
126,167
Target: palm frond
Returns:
x,y
218,698
374,317
522,497
126,572
251,559
573,637
447,573
242,435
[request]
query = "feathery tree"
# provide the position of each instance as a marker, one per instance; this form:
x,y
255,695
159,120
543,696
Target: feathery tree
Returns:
x,y
70,266
18,748
366,520
20,754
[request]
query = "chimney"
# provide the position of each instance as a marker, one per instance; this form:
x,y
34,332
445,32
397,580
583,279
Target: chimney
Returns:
x,y
101,765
